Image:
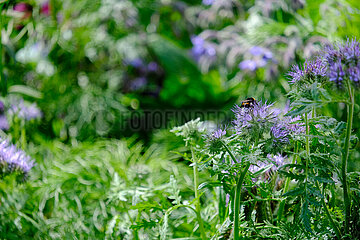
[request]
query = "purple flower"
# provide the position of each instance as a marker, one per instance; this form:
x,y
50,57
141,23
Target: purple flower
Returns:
x,y
278,160
4,124
13,159
310,70
336,73
248,65
256,50
202,49
219,133
354,74
208,2
256,118
25,112
136,63
350,51
280,133
214,142
138,83
153,67
2,107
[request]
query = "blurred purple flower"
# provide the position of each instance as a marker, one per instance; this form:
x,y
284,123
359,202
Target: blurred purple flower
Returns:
x,y
256,50
354,74
248,65
2,107
201,48
4,124
278,160
208,2
153,67
136,63
25,112
138,83
350,51
13,159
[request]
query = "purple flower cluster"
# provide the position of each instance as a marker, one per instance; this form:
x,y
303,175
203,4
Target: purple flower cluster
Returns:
x,y
276,160
208,2
260,57
257,117
214,140
310,71
4,124
286,127
27,112
202,49
338,63
140,73
13,159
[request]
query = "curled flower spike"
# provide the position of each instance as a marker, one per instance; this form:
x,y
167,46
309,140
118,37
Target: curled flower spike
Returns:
x,y
336,73
13,159
214,143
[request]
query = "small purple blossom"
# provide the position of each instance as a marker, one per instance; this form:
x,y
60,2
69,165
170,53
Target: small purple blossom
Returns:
x,y
153,67
248,65
13,159
2,107
208,2
256,50
219,133
25,112
201,48
278,160
354,74
138,83
336,73
4,124
280,133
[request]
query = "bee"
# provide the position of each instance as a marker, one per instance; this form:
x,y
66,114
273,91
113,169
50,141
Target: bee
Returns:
x,y
248,103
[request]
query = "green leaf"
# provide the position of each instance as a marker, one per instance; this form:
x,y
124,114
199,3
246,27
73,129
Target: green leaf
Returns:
x,y
295,192
25,90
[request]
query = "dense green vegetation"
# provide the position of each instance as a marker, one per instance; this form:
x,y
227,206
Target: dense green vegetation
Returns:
x,y
178,119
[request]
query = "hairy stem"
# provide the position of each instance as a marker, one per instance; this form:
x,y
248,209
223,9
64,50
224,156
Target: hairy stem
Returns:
x,y
345,156
197,202
237,201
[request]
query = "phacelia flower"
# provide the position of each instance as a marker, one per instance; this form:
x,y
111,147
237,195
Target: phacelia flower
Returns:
x,y
336,73
280,133
25,112
248,65
13,159
214,143
4,124
309,71
278,160
201,48
257,118
208,2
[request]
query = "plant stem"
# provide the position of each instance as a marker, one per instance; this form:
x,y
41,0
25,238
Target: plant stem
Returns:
x,y
237,201
335,227
345,157
197,202
286,187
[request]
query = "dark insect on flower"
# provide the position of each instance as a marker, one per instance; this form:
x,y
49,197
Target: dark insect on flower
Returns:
x,y
249,102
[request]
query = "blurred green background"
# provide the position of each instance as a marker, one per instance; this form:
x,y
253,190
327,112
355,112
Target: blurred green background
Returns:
x,y
95,67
